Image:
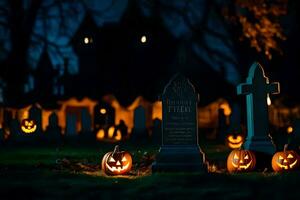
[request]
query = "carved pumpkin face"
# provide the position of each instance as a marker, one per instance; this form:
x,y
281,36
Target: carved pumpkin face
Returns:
x,y
241,160
116,162
28,126
235,141
285,161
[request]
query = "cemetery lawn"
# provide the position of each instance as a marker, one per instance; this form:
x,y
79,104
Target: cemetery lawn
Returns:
x,y
74,172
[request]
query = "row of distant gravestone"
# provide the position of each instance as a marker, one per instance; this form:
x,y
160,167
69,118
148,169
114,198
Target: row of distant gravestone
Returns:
x,y
53,131
180,150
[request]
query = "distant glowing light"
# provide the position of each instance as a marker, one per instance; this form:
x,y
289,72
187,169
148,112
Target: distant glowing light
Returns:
x,y
226,108
289,130
269,102
143,39
118,136
86,40
111,131
100,134
103,111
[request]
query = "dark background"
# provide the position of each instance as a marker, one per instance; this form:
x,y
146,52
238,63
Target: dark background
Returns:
x,y
42,46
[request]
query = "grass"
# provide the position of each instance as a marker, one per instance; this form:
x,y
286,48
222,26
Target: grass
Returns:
x,y
33,173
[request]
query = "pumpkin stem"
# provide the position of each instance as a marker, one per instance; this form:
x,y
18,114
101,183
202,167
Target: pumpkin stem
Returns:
x,y
285,148
116,149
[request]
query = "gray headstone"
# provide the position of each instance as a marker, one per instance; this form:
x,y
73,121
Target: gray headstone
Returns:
x,y
179,150
53,120
53,132
256,89
139,131
15,131
156,132
35,113
86,120
71,124
139,119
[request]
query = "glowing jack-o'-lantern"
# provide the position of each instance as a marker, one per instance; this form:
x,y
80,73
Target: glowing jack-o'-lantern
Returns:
x,y
116,162
235,141
285,160
241,160
28,126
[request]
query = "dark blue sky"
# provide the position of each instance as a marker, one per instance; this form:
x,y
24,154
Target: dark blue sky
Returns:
x,y
50,21
182,35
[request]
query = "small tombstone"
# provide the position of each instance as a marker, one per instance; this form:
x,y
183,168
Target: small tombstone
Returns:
x,y
179,150
139,131
53,131
53,121
71,125
256,89
7,117
86,134
15,130
156,132
35,113
86,120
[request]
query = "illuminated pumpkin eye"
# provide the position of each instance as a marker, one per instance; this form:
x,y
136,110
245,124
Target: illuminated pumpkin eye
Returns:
x,y
290,156
124,159
235,157
280,158
246,157
26,123
111,159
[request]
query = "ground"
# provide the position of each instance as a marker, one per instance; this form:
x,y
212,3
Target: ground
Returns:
x,y
73,171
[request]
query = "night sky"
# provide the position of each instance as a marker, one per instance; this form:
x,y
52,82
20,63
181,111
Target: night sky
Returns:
x,y
131,48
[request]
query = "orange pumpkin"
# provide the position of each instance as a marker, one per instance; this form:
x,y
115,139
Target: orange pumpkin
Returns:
x,y
28,126
286,160
116,162
241,160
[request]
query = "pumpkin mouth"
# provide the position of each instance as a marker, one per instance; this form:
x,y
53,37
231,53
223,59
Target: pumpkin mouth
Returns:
x,y
287,166
235,145
118,168
235,142
28,129
242,166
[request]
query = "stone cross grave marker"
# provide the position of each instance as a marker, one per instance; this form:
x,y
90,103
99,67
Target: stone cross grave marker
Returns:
x,y
256,89
179,150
